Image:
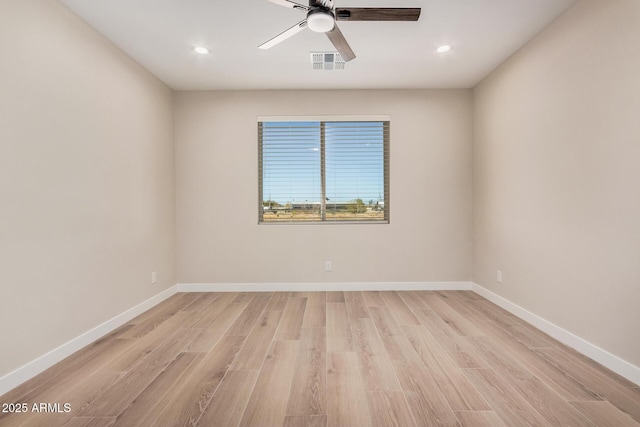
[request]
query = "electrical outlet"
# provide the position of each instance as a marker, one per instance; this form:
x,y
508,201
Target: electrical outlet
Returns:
x,y
327,266
154,277
499,276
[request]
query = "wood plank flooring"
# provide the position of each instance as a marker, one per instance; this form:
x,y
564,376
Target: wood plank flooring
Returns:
x,y
327,359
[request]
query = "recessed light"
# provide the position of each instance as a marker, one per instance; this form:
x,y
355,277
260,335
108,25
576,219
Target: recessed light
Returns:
x,y
443,49
201,50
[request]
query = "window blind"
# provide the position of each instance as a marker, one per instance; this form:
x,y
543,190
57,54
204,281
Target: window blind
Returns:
x,y
323,171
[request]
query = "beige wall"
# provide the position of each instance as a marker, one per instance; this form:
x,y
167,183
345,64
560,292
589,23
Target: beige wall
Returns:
x,y
86,180
219,240
557,176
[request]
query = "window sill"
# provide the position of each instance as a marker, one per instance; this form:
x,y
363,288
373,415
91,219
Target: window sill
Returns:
x,y
381,221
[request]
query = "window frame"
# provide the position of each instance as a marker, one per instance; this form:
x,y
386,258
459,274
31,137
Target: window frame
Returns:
x,y
386,119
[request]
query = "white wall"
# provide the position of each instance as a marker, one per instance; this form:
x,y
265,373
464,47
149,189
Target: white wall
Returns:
x,y
220,241
86,180
557,176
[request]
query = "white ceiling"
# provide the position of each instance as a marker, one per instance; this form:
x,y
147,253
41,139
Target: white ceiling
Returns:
x,y
159,35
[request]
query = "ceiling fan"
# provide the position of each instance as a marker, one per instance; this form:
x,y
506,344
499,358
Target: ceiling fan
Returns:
x,y
322,16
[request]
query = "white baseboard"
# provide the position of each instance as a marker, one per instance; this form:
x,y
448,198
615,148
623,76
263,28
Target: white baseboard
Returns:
x,y
613,362
317,287
33,368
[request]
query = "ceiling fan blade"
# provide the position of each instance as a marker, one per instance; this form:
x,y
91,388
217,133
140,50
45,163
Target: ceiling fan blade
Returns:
x,y
290,4
340,44
284,35
377,13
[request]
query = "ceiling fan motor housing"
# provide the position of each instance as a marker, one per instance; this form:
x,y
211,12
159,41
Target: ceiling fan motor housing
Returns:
x,y
320,20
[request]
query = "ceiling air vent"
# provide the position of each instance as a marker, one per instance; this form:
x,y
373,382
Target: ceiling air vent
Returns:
x,y
326,61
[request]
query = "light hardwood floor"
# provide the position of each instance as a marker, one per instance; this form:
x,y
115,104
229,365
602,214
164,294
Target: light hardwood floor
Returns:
x,y
328,359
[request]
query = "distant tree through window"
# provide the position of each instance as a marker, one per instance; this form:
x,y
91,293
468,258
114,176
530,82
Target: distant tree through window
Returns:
x,y
331,171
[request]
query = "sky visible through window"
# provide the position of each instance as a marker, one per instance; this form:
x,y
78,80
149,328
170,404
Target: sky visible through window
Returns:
x,y
354,162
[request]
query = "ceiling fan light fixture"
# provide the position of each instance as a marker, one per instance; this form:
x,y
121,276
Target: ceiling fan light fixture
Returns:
x,y
320,21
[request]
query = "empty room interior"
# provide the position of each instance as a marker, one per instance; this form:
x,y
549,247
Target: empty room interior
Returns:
x,y
211,214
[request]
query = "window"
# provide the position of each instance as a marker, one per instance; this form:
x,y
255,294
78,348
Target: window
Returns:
x,y
323,171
